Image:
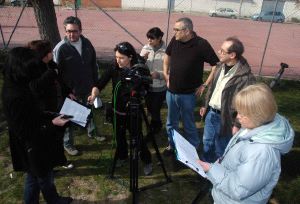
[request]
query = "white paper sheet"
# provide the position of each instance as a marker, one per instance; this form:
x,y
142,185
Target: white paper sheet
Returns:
x,y
98,102
79,112
187,154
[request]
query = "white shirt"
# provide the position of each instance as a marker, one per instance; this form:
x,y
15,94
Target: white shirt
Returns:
x,y
216,98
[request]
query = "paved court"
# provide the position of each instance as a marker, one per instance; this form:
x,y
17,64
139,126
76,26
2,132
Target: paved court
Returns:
x,y
284,41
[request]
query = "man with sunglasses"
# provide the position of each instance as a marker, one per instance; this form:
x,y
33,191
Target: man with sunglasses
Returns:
x,y
232,74
76,59
183,71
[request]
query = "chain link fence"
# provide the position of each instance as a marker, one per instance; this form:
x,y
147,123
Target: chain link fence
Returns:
x,y
106,23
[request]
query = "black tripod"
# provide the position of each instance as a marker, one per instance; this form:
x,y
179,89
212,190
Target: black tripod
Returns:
x,y
137,115
277,77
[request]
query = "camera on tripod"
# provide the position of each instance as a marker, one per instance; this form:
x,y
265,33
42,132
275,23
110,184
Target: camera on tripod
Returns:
x,y
138,78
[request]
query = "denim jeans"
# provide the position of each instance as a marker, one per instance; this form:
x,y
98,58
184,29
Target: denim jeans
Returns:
x,y
214,143
68,135
181,106
33,186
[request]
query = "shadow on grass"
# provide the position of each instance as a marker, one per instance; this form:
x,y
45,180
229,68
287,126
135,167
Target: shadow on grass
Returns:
x,y
78,201
290,162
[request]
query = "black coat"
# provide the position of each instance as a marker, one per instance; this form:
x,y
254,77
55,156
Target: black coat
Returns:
x,y
35,143
117,76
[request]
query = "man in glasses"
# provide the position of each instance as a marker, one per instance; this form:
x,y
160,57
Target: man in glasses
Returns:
x,y
232,74
183,71
76,59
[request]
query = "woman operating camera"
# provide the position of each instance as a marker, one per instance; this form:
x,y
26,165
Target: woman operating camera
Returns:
x,y
125,58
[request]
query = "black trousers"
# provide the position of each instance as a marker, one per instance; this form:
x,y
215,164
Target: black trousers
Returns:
x,y
123,124
154,102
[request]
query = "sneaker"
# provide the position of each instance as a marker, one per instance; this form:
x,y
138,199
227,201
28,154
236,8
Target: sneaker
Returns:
x,y
68,165
71,151
148,169
100,138
168,151
120,162
96,137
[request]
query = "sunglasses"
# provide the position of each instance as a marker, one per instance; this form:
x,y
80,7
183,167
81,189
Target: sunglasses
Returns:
x,y
122,47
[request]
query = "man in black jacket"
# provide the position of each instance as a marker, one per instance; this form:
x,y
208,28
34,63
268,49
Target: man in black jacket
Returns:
x,y
76,59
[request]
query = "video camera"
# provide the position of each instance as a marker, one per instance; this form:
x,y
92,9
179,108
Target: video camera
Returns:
x,y
139,77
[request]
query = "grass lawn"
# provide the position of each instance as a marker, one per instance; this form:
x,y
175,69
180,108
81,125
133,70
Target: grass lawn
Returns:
x,y
88,182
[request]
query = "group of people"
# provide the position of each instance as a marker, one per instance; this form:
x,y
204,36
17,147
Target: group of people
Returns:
x,y
243,137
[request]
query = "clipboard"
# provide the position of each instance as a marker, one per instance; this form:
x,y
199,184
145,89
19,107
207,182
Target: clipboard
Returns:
x,y
187,153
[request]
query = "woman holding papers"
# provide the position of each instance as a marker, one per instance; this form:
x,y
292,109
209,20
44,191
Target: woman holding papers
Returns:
x,y
250,167
32,142
48,86
125,58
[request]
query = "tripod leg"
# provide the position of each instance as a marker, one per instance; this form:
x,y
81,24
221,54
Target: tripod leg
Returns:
x,y
135,129
150,135
113,166
134,174
159,157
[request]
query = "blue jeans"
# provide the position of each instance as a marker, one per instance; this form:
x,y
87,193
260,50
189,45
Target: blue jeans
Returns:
x,y
181,106
33,186
69,137
214,143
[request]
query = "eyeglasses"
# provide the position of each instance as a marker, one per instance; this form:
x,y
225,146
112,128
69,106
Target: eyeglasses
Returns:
x,y
178,29
223,52
72,31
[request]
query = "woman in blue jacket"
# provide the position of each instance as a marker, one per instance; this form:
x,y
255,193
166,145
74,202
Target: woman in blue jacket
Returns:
x,y
250,166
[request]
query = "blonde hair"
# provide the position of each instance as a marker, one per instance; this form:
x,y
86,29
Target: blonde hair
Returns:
x,y
257,103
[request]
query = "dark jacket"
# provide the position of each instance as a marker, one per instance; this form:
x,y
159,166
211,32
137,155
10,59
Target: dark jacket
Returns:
x,y
79,72
242,78
117,75
35,144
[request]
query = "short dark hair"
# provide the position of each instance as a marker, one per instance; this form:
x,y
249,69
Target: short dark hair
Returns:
x,y
155,33
187,22
42,47
125,48
237,47
73,20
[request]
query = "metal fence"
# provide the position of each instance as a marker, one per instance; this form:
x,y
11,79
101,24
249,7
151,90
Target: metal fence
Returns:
x,y
106,23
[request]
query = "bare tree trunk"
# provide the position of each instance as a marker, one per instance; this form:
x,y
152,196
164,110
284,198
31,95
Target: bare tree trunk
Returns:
x,y
46,20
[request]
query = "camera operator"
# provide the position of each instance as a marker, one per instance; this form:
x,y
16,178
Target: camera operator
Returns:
x,y
125,58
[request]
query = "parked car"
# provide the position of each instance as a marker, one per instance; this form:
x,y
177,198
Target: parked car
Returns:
x,y
20,2
224,12
267,16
